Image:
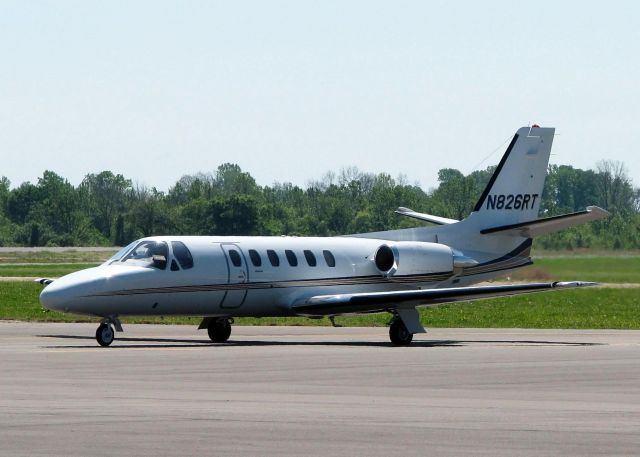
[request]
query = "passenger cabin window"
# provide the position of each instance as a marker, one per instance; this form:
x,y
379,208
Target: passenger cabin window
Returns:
x,y
273,258
256,260
235,258
182,255
291,257
311,259
148,254
329,258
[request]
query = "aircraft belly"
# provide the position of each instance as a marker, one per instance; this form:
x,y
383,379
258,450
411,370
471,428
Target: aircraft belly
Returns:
x,y
152,304
250,301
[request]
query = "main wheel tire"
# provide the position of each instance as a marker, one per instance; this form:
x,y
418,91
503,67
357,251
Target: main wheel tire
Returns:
x,y
104,335
399,334
219,330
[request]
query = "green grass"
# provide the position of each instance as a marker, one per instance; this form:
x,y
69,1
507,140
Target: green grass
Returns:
x,y
42,271
585,308
579,309
620,269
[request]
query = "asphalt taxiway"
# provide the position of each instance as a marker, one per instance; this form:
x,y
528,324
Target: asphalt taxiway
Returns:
x,y
292,391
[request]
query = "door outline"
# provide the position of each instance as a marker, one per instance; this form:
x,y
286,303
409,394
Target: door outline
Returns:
x,y
234,298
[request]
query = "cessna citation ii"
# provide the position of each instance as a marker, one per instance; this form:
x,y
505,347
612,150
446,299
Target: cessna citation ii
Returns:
x,y
222,277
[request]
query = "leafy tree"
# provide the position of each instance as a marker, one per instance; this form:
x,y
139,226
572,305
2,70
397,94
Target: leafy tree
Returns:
x,y
106,208
106,196
231,180
234,215
148,214
614,186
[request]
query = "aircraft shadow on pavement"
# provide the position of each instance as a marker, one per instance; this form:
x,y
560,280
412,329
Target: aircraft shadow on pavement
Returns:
x,y
186,343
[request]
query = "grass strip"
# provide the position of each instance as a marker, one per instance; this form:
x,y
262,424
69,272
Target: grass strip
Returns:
x,y
42,255
43,271
609,269
576,309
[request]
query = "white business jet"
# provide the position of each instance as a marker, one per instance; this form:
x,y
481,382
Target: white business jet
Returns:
x,y
222,277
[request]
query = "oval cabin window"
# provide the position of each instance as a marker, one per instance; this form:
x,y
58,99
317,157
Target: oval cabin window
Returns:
x,y
235,258
311,259
291,257
256,260
329,258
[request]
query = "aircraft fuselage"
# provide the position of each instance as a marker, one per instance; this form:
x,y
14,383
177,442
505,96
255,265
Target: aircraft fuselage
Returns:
x,y
264,277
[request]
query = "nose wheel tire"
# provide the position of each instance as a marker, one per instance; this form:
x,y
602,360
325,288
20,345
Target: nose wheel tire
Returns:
x,y
219,330
399,334
105,335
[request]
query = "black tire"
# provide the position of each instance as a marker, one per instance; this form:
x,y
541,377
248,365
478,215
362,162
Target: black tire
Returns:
x,y
219,330
399,334
105,335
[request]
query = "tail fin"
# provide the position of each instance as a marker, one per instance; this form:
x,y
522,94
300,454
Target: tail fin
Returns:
x,y
514,192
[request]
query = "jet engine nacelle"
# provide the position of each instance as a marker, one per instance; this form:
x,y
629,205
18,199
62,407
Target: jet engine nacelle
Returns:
x,y
413,257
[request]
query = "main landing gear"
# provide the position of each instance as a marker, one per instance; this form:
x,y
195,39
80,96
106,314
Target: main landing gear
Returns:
x,y
399,334
219,329
405,323
105,333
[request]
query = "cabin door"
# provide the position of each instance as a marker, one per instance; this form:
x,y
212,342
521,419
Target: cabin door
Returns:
x,y
238,276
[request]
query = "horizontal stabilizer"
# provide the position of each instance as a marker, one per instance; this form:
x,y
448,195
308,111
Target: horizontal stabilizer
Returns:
x,y
547,225
372,302
425,217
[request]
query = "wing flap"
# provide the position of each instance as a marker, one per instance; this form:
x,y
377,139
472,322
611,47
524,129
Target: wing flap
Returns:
x,y
380,301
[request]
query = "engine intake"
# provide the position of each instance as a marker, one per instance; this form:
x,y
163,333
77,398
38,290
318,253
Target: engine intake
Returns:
x,y
405,258
384,258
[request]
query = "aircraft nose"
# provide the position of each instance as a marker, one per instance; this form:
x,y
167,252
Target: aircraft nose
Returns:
x,y
64,293
53,297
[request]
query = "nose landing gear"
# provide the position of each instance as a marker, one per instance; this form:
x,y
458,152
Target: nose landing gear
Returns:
x,y
105,332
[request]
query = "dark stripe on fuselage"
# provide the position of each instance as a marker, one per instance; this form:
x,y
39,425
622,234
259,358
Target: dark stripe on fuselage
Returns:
x,y
345,281
519,257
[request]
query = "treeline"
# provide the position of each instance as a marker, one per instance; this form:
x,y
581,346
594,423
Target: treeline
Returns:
x,y
109,209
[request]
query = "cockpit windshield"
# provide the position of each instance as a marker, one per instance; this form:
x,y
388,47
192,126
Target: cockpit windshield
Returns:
x,y
118,255
148,254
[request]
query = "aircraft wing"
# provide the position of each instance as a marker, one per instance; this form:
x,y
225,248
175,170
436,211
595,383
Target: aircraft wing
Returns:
x,y
322,305
43,281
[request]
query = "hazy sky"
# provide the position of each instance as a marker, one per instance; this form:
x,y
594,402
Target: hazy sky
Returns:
x,y
289,90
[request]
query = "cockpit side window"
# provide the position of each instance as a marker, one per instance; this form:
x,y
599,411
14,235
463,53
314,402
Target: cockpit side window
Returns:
x,y
148,254
182,254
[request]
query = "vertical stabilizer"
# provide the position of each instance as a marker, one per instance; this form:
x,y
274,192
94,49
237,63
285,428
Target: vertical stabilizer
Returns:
x,y
514,192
